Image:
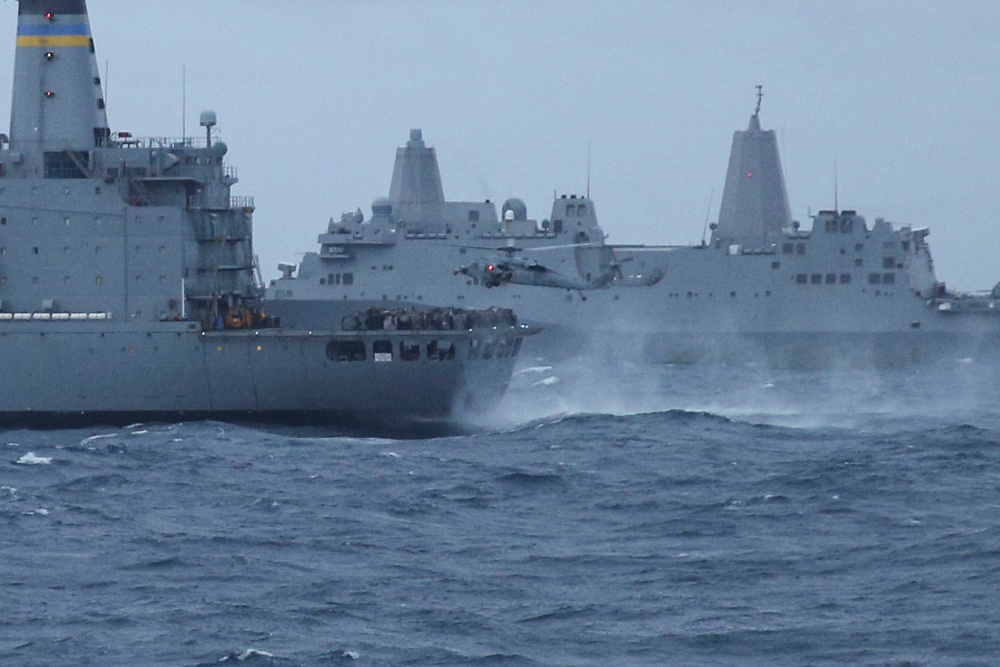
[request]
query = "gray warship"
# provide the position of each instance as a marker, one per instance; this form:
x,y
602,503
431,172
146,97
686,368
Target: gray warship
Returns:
x,y
760,288
129,288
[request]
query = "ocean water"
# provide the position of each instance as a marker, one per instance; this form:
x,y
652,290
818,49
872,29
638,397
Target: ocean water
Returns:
x,y
607,515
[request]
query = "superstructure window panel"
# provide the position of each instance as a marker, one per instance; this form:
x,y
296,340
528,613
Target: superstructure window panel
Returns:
x,y
382,350
345,350
409,350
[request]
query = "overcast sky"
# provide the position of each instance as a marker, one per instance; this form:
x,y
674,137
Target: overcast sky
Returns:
x,y
899,99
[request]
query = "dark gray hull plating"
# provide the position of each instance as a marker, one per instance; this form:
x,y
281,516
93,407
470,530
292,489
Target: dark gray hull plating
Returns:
x,y
72,376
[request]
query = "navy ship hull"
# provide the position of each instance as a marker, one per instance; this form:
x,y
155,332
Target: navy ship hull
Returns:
x,y
129,288
57,374
760,288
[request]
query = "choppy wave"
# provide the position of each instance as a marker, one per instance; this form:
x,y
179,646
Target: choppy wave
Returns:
x,y
731,516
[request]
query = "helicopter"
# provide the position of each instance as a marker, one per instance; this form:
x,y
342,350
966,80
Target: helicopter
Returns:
x,y
526,271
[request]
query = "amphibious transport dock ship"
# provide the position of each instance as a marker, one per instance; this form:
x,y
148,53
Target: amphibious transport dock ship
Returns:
x,y
761,288
129,289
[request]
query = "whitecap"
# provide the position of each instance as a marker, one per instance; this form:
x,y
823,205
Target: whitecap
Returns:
x,y
97,437
41,511
534,369
353,655
547,382
249,653
30,459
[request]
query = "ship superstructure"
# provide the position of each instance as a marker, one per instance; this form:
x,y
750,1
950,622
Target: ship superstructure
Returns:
x,y
128,283
762,287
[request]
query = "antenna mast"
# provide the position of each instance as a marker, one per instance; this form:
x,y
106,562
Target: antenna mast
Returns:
x,y
836,188
760,94
708,212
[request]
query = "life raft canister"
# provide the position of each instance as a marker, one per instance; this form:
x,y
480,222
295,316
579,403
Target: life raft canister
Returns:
x,y
238,317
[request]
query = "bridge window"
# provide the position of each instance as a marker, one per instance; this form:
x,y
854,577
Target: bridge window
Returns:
x,y
888,278
874,278
61,164
888,262
800,248
845,278
816,278
831,279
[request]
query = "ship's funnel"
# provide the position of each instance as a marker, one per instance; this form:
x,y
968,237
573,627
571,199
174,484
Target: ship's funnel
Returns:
x,y
754,208
416,179
57,105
